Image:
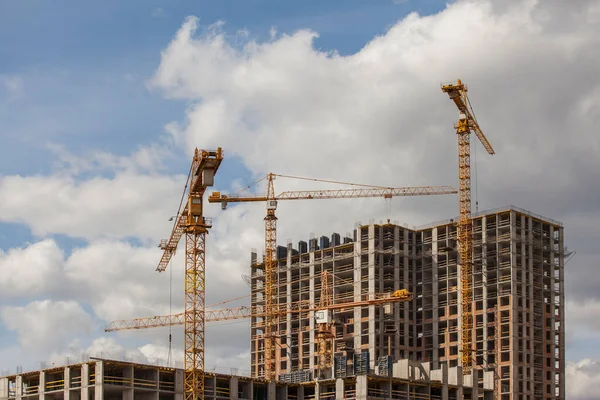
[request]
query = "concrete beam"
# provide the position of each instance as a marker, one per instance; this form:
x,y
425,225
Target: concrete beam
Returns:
x,y
401,369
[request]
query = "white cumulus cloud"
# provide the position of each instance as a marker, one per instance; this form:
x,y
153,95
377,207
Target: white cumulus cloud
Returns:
x,y
119,280
126,205
44,325
583,380
32,270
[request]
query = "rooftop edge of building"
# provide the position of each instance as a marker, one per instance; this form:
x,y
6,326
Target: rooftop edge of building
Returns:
x,y
488,212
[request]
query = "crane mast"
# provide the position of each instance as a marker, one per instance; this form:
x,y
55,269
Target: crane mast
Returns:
x,y
204,167
271,317
191,222
324,321
465,124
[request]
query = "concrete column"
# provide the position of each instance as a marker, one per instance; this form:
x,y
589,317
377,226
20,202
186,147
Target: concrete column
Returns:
x,y
128,394
410,306
211,382
444,368
19,387
339,389
156,377
178,384
373,288
128,375
475,383
388,389
435,299
311,349
281,392
99,386
85,381
251,388
458,381
362,387
561,307
233,388
398,284
42,386
562,389
485,279
371,261
300,393
3,388
288,317
67,378
271,391
357,284
553,282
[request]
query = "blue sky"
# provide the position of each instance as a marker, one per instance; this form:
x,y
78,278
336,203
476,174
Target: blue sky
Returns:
x,y
83,66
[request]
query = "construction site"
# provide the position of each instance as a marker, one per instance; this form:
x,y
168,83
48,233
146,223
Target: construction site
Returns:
x,y
467,308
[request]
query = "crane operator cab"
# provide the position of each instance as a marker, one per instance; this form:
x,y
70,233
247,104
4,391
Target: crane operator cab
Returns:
x,y
195,210
323,317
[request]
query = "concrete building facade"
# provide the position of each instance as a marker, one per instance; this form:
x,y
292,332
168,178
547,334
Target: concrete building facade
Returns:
x,y
518,300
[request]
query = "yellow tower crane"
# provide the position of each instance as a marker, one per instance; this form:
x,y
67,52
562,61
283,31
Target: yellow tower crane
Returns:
x,y
270,295
191,221
464,126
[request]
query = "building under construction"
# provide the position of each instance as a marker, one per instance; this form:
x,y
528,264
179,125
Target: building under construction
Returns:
x,y
402,350
518,302
101,379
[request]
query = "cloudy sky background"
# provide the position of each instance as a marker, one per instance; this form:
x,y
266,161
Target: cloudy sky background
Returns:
x,y
101,106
